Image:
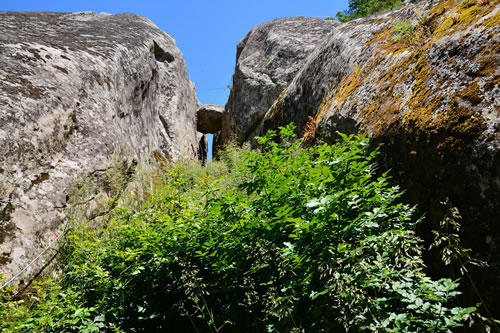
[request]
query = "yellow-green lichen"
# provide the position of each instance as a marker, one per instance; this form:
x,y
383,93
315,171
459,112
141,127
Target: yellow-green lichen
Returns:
x,y
340,92
466,14
461,121
326,103
488,65
455,121
471,93
491,22
381,115
277,112
444,19
348,85
422,108
420,118
381,119
426,111
380,36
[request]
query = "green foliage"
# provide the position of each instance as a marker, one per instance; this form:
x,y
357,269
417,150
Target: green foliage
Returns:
x,y
404,29
47,307
282,239
411,32
361,8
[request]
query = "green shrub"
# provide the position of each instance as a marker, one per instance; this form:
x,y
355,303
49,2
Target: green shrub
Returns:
x,y
47,307
297,240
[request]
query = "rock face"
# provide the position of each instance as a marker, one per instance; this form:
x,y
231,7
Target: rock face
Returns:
x,y
266,61
209,118
75,90
431,97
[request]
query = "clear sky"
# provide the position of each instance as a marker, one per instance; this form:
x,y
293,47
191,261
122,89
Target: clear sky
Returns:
x,y
206,31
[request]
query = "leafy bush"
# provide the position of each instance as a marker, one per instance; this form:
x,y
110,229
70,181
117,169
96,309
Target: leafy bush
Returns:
x,y
361,8
47,307
292,240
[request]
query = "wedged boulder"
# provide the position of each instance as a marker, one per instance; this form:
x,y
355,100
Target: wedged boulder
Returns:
x,y
266,61
430,98
209,118
76,91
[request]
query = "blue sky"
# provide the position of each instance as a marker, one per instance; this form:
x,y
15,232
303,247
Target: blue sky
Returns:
x,y
206,31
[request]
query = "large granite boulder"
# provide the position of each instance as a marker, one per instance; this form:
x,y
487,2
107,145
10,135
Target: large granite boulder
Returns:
x,y
266,61
209,118
430,98
76,91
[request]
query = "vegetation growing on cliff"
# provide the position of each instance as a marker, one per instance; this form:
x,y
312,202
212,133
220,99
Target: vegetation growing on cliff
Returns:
x,y
361,8
285,239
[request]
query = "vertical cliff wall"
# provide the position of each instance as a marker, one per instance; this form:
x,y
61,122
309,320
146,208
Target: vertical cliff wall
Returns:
x,y
75,90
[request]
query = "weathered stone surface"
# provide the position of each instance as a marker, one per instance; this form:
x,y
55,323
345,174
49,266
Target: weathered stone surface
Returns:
x,y
209,118
432,98
266,61
75,90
